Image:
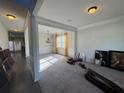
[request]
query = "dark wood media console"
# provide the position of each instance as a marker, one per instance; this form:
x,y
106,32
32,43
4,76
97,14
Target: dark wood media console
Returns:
x,y
102,82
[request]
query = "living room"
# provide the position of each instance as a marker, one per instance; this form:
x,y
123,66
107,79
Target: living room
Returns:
x,y
98,27
74,46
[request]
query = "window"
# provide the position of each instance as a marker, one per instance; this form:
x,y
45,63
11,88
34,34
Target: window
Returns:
x,y
60,41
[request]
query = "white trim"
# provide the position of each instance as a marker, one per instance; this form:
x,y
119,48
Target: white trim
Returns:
x,y
102,23
47,22
37,6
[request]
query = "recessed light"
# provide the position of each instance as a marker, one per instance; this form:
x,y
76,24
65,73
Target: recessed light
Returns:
x,y
15,30
11,17
92,9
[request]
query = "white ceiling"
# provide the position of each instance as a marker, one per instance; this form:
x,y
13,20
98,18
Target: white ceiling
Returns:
x,y
50,30
19,12
76,10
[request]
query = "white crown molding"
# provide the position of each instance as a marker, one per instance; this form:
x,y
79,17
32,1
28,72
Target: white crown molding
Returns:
x,y
37,6
102,23
47,22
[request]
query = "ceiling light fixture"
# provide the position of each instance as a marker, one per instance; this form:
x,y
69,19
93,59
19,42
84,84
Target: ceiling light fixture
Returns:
x,y
15,30
92,9
11,17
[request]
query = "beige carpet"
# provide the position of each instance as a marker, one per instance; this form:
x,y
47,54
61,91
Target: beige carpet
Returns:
x,y
59,77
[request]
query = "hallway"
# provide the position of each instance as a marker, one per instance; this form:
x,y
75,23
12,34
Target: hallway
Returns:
x,y
22,81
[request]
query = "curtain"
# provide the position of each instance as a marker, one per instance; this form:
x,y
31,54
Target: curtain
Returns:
x,y
66,43
56,44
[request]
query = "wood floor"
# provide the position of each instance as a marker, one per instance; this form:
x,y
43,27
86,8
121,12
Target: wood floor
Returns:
x,y
22,81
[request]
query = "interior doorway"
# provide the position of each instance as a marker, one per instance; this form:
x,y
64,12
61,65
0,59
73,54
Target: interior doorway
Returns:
x,y
16,42
55,44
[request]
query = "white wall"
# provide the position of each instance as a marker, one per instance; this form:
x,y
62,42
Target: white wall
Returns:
x,y
26,35
3,37
71,40
109,36
45,48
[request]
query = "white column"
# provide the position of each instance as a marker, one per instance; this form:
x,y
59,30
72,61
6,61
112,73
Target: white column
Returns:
x,y
34,47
